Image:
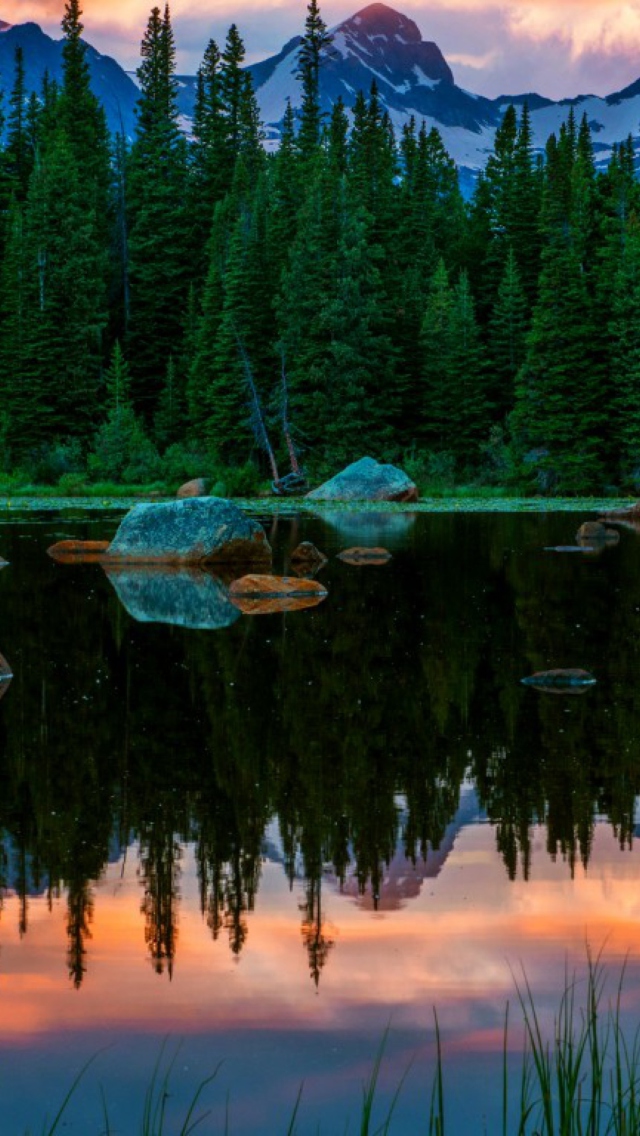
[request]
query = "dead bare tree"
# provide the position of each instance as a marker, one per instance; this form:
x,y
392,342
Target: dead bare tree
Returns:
x,y
257,419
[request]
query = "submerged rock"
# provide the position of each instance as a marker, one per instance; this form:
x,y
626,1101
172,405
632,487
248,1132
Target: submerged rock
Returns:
x,y
360,556
78,551
367,480
306,554
264,595
183,597
570,681
197,530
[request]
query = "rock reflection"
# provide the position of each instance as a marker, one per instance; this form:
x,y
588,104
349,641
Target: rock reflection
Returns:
x,y
370,528
6,674
190,598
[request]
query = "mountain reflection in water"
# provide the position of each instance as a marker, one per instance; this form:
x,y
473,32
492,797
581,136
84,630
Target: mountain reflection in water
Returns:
x,y
369,774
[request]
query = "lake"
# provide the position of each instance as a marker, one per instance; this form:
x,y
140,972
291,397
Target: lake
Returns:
x,y
262,841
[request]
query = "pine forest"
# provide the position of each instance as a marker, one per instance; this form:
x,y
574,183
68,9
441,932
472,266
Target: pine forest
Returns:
x,y
176,304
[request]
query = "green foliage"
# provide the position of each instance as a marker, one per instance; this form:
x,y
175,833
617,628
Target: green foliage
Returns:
x,y
236,481
46,463
183,461
175,276
431,471
72,484
122,451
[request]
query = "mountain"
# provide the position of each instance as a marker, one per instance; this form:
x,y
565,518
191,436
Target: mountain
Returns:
x,y
413,78
377,43
109,81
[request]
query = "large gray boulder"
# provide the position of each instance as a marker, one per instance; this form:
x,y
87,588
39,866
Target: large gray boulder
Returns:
x,y
197,530
367,480
184,597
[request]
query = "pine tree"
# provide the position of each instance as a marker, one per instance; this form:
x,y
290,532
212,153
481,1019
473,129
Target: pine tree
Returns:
x,y
306,282
313,47
455,408
81,115
624,329
159,225
524,229
232,94
358,374
18,154
507,340
117,380
53,300
285,188
207,183
561,389
430,225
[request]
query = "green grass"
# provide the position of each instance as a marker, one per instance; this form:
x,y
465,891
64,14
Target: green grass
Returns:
x,y
581,1080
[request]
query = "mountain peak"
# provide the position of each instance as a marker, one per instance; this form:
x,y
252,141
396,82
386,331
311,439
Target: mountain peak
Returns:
x,y
379,19
392,46
4,26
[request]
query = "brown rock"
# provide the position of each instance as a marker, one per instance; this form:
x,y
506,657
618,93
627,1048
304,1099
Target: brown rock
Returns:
x,y
263,595
593,536
307,554
198,487
629,513
78,551
360,556
6,674
591,530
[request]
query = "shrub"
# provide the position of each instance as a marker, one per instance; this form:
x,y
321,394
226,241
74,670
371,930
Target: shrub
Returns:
x,y
72,484
122,451
45,464
237,481
182,462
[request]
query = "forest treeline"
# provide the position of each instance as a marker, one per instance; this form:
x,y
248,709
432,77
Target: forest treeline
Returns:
x,y
173,305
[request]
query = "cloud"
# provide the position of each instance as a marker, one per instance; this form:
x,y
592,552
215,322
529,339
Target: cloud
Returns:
x,y
556,49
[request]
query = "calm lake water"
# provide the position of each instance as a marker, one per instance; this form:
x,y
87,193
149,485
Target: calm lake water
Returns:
x,y
266,842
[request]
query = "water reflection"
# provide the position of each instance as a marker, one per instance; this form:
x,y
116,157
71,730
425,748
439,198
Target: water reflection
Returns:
x,y
355,724
193,598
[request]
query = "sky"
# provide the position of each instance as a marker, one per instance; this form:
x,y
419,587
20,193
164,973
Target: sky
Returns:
x,y
558,49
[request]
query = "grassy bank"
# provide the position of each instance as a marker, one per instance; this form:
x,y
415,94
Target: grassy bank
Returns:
x,y
119,498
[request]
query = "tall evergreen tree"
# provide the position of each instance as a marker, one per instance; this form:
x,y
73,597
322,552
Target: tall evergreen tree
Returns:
x,y
314,45
507,339
455,408
19,153
53,303
158,220
624,329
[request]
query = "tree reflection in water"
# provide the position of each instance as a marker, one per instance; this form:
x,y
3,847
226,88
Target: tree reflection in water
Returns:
x,y
354,724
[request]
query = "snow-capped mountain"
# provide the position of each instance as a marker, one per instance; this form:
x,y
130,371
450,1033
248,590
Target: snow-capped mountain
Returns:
x,y
377,43
413,78
42,53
